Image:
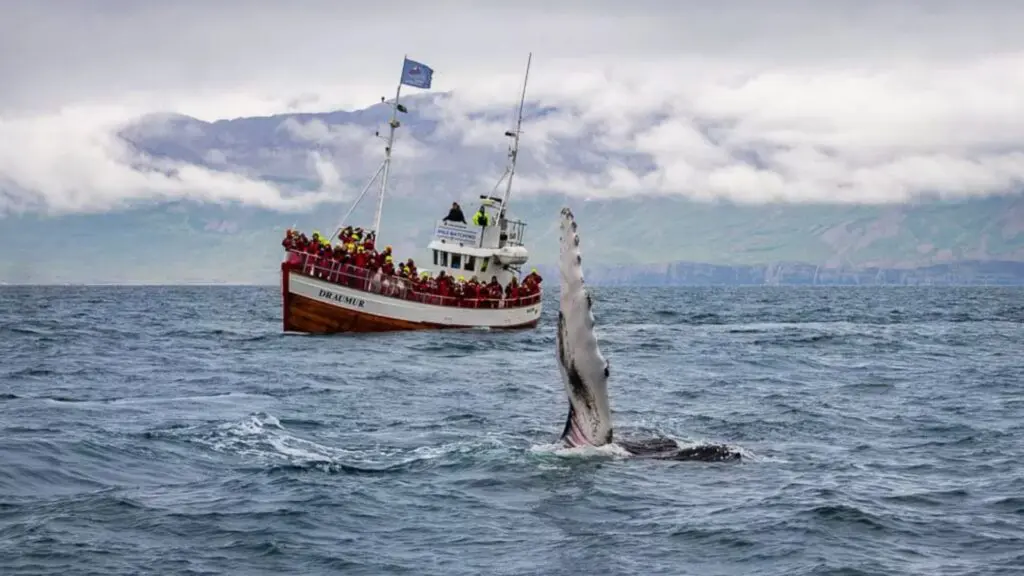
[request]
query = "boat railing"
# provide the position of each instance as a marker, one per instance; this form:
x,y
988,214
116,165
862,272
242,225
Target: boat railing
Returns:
x,y
512,232
376,282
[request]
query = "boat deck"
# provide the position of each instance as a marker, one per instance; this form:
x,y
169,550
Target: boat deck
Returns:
x,y
376,282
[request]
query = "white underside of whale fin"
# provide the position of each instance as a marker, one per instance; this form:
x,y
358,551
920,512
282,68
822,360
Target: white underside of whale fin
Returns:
x,y
584,369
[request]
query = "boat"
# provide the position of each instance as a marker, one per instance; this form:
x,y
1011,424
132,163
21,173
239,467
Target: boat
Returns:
x,y
325,296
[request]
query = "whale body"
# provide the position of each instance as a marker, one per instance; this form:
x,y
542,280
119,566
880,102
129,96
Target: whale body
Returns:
x,y
585,371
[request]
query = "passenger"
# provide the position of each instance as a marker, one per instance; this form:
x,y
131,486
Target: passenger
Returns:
x,y
409,287
480,218
431,289
455,214
350,271
513,295
486,296
426,288
444,288
533,275
494,292
359,274
459,291
338,260
530,288
471,293
381,257
373,263
291,246
323,263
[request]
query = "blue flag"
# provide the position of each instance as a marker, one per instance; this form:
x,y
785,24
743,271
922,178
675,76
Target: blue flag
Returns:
x,y
416,75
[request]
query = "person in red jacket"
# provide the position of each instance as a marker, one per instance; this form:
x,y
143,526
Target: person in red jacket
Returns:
x,y
514,296
512,293
442,289
459,291
493,293
471,291
533,276
527,291
359,260
359,274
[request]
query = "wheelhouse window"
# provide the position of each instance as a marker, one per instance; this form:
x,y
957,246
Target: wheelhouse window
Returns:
x,y
435,257
444,259
470,263
456,260
483,265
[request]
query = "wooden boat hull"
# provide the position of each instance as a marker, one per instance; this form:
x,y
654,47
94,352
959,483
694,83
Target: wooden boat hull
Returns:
x,y
313,306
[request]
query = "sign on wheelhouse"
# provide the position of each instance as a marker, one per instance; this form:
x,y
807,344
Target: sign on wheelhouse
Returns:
x,y
343,283
456,232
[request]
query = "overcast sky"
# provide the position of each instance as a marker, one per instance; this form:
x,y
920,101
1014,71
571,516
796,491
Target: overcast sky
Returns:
x,y
871,100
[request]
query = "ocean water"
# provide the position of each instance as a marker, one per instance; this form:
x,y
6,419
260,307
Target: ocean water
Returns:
x,y
176,430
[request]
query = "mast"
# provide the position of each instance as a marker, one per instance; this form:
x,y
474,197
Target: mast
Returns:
x,y
513,151
417,75
386,166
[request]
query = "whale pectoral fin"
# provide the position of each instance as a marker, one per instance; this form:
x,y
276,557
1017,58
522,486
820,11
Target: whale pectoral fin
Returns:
x,y
585,371
583,368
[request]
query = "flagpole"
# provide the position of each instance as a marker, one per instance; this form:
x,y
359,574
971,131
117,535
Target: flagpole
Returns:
x,y
392,125
384,170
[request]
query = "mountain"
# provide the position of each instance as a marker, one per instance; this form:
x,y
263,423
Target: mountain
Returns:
x,y
645,239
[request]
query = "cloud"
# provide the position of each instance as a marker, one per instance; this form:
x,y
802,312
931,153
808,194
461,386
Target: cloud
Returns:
x,y
800,133
849,102
74,162
221,226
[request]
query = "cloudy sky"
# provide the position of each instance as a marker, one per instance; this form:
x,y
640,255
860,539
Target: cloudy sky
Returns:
x,y
854,101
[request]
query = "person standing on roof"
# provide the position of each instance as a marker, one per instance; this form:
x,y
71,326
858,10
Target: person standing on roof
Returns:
x,y
480,218
455,214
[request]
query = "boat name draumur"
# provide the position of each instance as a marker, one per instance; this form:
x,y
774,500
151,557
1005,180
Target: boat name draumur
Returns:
x,y
342,298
